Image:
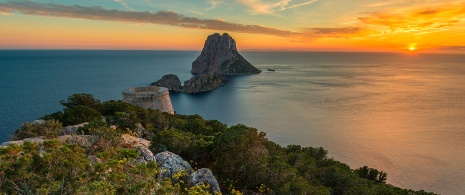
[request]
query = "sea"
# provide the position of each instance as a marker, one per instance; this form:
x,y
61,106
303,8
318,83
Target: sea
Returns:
x,y
402,113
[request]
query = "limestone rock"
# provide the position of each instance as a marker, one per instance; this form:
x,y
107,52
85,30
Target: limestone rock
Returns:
x,y
205,176
169,81
220,56
93,159
71,129
203,83
145,155
171,164
85,141
134,142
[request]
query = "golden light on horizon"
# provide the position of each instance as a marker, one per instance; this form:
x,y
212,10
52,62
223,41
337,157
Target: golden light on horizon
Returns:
x,y
412,46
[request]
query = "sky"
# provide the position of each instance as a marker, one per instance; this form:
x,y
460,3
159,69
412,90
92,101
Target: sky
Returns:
x,y
276,25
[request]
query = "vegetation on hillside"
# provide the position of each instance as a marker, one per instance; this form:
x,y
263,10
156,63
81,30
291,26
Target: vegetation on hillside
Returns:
x,y
242,158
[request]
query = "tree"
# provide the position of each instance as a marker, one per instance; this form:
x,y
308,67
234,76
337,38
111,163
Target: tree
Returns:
x,y
48,128
371,174
79,114
81,99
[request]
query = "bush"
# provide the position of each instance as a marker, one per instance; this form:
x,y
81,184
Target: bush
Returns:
x,y
79,114
48,128
81,99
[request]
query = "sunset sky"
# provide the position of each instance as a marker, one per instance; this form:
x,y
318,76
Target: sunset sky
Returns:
x,y
295,25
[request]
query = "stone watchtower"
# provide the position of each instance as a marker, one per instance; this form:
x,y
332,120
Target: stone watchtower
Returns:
x,y
152,97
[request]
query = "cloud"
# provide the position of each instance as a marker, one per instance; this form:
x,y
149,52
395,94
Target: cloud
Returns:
x,y
162,17
342,32
272,6
172,19
456,47
419,19
125,5
214,4
385,3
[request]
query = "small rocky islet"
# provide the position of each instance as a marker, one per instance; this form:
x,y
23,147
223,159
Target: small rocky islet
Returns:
x,y
219,58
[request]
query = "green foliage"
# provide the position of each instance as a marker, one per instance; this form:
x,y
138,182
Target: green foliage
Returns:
x,y
48,128
240,156
371,174
239,153
79,114
81,99
93,124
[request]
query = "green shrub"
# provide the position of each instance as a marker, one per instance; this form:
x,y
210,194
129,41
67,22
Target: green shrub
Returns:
x,y
81,99
48,128
79,114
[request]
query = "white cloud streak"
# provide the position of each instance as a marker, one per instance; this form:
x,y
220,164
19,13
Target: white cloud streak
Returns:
x,y
125,5
271,7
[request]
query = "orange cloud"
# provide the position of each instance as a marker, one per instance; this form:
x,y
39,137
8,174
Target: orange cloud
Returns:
x,y
419,19
162,17
343,32
171,18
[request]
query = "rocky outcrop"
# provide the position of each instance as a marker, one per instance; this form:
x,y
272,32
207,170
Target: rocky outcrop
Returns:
x,y
145,155
169,81
73,129
220,56
203,83
83,140
170,164
93,159
205,176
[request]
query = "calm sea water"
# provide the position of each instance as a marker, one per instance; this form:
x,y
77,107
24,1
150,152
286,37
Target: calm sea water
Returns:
x,y
403,114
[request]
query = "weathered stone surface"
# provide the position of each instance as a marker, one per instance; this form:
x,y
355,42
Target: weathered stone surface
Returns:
x,y
83,140
203,83
93,159
145,155
71,129
205,176
220,56
170,81
171,164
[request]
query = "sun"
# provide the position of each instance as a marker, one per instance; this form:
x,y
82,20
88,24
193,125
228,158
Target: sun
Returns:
x,y
412,46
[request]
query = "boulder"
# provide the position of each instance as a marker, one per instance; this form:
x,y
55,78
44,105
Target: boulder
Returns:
x,y
205,176
93,159
220,56
145,155
169,81
203,83
171,164
71,129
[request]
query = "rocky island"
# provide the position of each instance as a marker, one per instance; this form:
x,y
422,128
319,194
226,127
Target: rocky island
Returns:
x,y
219,58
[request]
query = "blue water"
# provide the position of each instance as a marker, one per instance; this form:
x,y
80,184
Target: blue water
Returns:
x,y
400,113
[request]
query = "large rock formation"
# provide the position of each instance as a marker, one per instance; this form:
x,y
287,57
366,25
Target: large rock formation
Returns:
x,y
203,83
169,81
145,155
171,164
206,177
219,56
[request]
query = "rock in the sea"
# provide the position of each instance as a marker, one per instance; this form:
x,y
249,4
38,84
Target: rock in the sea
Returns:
x,y
145,155
169,81
171,164
220,56
203,83
205,176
